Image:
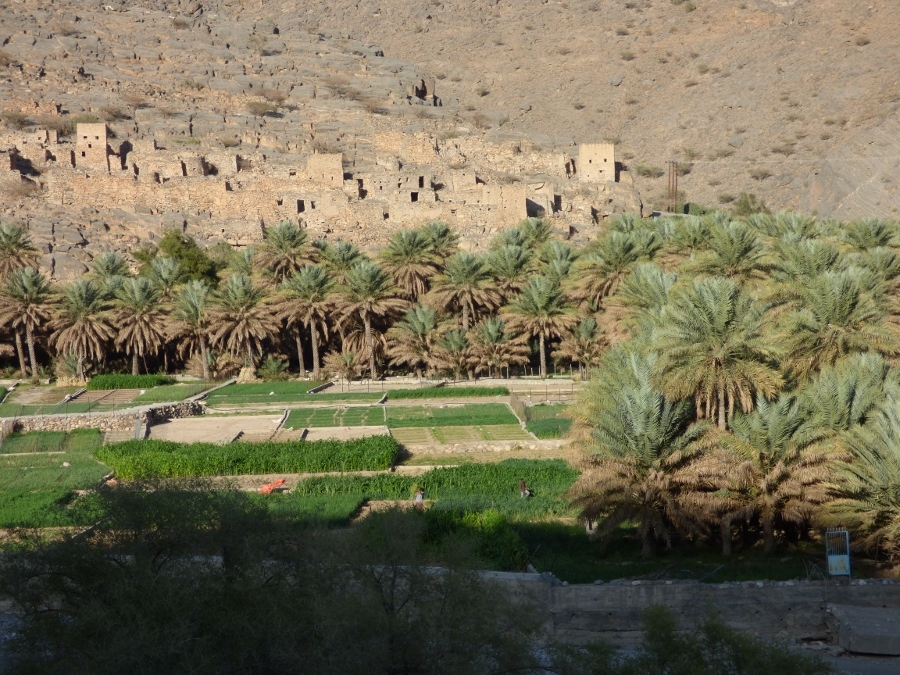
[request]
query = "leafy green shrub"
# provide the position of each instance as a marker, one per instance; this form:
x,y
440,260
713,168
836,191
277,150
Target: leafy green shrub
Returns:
x,y
546,478
260,108
451,416
142,460
649,171
273,369
497,542
121,381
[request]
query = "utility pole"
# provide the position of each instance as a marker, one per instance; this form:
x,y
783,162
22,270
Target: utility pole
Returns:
x,y
672,191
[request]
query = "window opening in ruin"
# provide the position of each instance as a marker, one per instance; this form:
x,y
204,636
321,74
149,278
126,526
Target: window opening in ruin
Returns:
x,y
386,215
421,181
605,159
83,154
90,146
590,161
279,202
413,196
156,177
183,169
312,205
557,203
301,206
293,173
381,187
96,138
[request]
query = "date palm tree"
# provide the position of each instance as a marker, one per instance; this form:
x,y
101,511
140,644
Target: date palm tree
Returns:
x,y
16,249
190,321
82,325
442,240
412,340
540,310
241,318
139,319
736,253
284,251
646,291
863,490
640,450
465,287
605,264
307,301
339,258
557,259
165,274
494,348
451,353
870,233
25,305
583,344
410,257
777,468
510,266
535,232
836,317
369,293
109,270
715,349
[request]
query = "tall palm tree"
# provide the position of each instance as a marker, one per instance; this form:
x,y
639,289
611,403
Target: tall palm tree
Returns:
x,y
864,493
442,240
82,324
510,266
241,318
494,348
284,251
609,260
109,270
452,352
540,310
16,249
25,304
190,321
139,319
640,449
165,274
715,348
307,301
369,293
583,344
409,256
535,232
870,233
775,468
685,236
646,291
835,318
804,259
736,253
339,258
412,340
465,287
557,257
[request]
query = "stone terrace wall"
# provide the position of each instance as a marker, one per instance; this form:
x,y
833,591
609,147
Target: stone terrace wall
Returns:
x,y
105,421
613,611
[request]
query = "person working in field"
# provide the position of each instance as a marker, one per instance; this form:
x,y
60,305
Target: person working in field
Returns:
x,y
419,499
523,489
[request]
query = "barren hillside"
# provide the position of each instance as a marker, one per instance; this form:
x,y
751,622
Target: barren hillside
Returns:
x,y
794,100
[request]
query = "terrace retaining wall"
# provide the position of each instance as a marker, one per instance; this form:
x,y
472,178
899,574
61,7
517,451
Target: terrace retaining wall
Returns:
x,y
105,421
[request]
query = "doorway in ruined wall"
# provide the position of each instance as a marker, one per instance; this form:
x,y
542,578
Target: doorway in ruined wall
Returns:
x,y
557,203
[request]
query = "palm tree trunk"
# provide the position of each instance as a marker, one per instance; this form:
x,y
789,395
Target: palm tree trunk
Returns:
x,y
647,546
470,374
21,352
722,409
768,532
725,530
165,352
204,357
300,353
29,339
315,349
134,363
368,324
81,367
543,355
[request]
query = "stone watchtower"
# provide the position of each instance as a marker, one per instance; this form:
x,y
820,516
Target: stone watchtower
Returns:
x,y
91,150
597,163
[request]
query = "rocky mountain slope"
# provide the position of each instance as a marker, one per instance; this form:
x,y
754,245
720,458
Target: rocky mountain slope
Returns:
x,y
793,100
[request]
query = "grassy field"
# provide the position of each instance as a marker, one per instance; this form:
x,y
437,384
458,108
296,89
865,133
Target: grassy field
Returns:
x,y
35,486
484,414
359,416
548,420
332,396
172,392
147,459
430,435
262,392
447,392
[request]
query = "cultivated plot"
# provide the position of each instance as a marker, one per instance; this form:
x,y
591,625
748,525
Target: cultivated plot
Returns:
x,y
450,416
359,416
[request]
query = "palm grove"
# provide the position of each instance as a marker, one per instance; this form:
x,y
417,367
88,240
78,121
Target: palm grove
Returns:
x,y
744,389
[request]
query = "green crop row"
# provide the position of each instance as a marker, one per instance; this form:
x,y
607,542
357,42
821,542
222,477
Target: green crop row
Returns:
x,y
122,381
546,479
139,460
447,392
483,414
173,392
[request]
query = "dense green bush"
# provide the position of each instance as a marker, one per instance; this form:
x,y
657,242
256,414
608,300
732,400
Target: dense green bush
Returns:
x,y
447,392
141,460
122,381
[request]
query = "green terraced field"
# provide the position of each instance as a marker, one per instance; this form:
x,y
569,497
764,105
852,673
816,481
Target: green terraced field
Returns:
x,y
262,392
359,416
450,416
